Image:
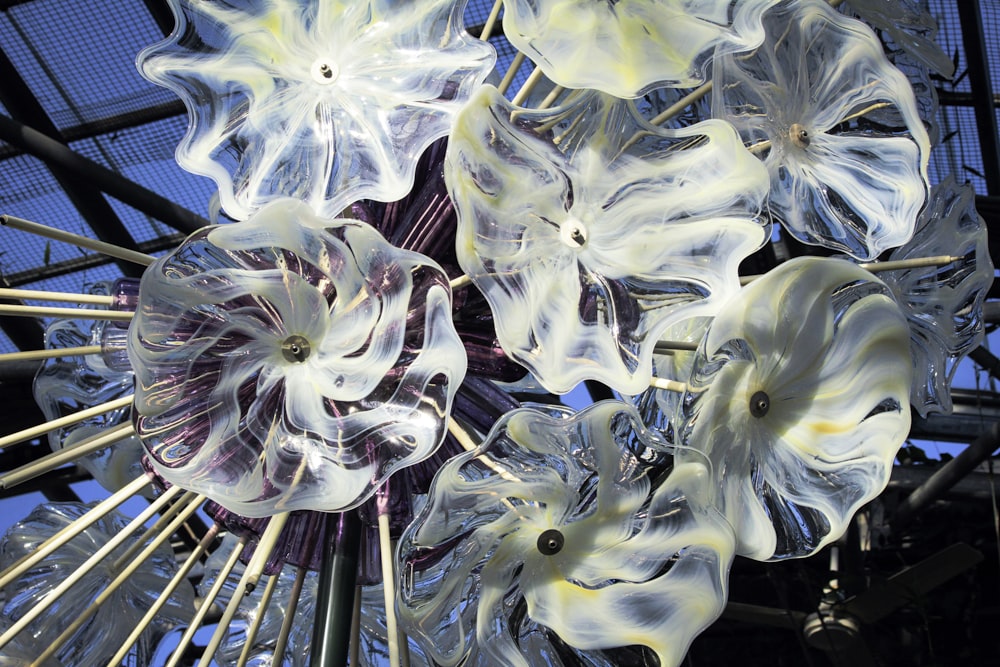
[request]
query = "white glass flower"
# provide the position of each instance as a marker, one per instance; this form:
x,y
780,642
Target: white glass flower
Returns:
x,y
289,362
590,243
628,48
800,399
328,102
943,304
838,178
550,544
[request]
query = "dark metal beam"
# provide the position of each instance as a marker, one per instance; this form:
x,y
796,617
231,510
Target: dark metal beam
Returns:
x,y
970,16
109,125
947,476
113,183
25,108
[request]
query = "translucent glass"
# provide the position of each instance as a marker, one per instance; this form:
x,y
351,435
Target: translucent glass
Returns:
x,y
590,238
627,48
550,544
67,385
372,648
329,102
800,399
289,362
943,304
99,638
802,100
910,27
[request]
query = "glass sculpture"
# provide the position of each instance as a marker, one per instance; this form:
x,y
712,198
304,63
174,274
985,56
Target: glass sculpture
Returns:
x,y
551,528
589,245
628,48
292,363
423,263
67,384
801,100
799,397
328,102
943,303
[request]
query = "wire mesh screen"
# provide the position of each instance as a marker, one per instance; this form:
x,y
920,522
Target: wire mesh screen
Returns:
x,y
78,58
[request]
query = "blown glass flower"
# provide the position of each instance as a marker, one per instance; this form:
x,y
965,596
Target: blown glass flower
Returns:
x,y
589,244
800,399
838,178
550,544
66,385
292,363
328,102
628,48
97,640
943,304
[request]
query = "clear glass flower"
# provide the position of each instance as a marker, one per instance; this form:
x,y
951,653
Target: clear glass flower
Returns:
x,y
550,544
590,239
943,304
910,27
289,362
800,399
628,48
838,178
97,640
328,102
66,385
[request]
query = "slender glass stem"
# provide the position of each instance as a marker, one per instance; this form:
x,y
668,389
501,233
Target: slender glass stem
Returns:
x,y
64,456
65,313
68,420
69,297
247,583
75,239
206,604
388,586
289,620
164,595
36,355
251,638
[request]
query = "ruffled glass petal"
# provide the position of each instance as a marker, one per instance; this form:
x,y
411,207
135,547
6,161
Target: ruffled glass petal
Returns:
x,y
589,239
290,363
328,102
943,304
838,178
800,399
529,545
628,48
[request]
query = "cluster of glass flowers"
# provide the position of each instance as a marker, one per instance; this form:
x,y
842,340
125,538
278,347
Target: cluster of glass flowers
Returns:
x,y
326,342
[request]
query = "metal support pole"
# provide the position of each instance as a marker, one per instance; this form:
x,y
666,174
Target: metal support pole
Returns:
x,y
947,476
970,15
335,594
55,153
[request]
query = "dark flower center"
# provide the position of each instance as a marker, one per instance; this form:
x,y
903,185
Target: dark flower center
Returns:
x,y
550,542
296,349
760,403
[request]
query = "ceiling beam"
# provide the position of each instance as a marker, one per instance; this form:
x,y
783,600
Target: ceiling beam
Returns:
x,y
971,18
25,109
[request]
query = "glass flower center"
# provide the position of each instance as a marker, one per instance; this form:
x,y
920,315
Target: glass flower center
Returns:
x,y
324,71
799,135
573,233
550,542
296,349
760,403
